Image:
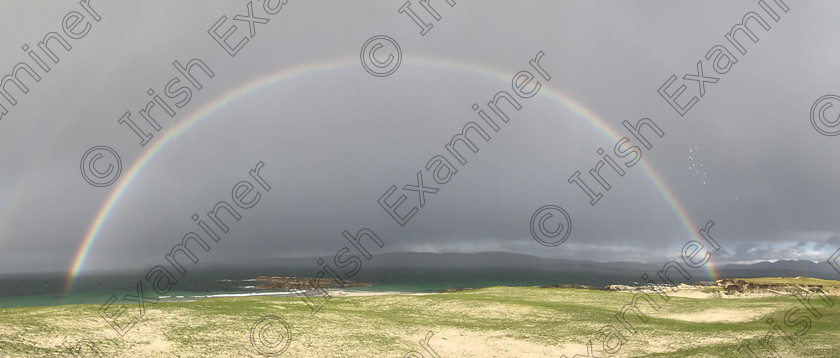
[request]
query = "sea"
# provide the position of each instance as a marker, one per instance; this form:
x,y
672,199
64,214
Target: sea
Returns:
x,y
47,289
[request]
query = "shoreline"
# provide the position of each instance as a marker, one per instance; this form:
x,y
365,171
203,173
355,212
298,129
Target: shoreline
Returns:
x,y
335,292
725,288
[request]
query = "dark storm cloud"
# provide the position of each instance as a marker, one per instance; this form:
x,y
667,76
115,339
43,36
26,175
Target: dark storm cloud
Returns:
x,y
334,138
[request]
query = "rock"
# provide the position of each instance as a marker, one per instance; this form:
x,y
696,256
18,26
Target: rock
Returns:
x,y
575,285
303,283
457,289
732,285
737,288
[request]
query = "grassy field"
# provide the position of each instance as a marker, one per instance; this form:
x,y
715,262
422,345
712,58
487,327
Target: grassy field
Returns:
x,y
489,322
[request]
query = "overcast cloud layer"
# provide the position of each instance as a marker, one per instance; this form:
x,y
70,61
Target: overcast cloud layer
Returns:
x,y
334,138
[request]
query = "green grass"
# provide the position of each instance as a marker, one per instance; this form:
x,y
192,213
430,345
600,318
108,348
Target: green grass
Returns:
x,y
495,321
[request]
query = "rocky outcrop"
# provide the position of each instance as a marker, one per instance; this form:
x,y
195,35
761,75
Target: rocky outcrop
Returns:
x,y
579,286
303,283
732,286
458,289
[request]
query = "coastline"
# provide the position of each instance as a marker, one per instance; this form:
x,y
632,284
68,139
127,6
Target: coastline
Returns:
x,y
335,292
726,288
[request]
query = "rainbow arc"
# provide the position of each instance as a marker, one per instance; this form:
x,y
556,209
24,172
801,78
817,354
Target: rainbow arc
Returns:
x,y
580,111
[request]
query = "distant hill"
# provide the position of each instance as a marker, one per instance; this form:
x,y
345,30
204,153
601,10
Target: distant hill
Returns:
x,y
510,261
802,265
791,268
495,259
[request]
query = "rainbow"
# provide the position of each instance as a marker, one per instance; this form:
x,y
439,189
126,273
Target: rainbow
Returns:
x,y
345,63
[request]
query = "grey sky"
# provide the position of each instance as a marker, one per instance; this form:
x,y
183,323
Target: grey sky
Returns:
x,y
334,138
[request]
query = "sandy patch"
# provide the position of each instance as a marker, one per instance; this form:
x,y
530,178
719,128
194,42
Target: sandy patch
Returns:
x,y
157,346
695,294
721,315
455,343
347,293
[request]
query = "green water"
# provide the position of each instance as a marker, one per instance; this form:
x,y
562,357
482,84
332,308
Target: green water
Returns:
x,y
49,289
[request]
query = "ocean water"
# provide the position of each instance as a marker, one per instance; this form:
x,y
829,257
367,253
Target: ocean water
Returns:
x,y
46,289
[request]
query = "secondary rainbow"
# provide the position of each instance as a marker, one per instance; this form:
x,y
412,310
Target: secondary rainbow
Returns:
x,y
287,74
